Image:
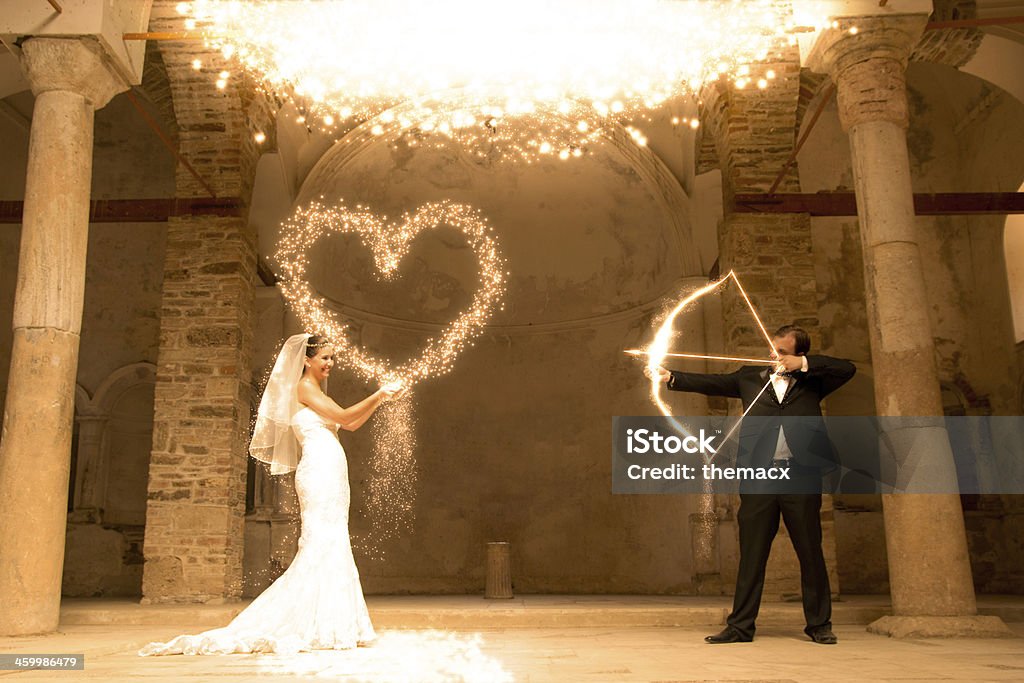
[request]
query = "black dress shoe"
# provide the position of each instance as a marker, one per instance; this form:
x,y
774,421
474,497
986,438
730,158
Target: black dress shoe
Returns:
x,y
823,636
727,635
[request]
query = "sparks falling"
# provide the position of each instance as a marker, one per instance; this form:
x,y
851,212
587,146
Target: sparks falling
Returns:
x,y
389,243
570,67
392,490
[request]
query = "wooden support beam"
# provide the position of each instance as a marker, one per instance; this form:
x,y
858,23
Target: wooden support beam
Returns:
x,y
826,97
16,117
932,26
56,6
167,142
163,35
845,203
972,23
264,272
817,204
141,210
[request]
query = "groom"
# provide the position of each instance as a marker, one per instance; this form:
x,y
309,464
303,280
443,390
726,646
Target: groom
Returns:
x,y
797,386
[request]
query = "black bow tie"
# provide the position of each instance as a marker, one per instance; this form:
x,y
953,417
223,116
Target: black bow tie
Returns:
x,y
766,373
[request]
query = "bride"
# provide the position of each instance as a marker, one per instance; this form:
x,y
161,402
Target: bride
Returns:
x,y
317,603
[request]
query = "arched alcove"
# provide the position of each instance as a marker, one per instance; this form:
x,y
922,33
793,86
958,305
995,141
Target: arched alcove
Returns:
x,y
584,237
512,443
127,444
107,501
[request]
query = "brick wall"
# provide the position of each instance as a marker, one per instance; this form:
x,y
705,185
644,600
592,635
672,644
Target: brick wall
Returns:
x,y
194,517
755,133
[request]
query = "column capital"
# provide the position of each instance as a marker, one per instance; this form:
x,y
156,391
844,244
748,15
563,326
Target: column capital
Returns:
x,y
77,65
866,56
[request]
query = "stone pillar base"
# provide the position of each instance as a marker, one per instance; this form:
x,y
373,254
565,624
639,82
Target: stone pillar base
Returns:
x,y
973,626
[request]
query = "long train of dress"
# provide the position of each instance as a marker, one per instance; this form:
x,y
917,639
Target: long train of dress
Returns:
x,y
317,603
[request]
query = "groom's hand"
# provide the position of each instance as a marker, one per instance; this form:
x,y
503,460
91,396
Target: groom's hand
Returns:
x,y
662,374
790,363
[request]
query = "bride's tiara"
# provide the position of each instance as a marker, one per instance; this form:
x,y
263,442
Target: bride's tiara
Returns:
x,y
318,345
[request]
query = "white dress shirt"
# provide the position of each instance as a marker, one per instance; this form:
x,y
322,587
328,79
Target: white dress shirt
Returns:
x,y
781,386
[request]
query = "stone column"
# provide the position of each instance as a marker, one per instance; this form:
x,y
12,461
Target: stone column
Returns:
x,y
70,78
929,569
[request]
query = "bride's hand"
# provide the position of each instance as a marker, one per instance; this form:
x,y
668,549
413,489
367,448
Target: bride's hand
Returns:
x,y
393,390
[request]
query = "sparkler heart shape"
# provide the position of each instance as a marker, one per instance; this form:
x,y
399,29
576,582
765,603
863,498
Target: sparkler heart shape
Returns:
x,y
389,243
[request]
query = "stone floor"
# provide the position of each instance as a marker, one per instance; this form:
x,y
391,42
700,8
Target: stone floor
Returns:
x,y
538,638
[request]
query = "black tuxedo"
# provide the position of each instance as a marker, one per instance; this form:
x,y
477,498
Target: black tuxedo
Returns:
x,y
807,438
812,455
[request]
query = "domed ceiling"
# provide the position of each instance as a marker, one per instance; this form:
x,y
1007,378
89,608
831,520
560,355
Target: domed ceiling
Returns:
x,y
581,238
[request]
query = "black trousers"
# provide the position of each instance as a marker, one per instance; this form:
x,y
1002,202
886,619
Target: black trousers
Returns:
x,y
758,519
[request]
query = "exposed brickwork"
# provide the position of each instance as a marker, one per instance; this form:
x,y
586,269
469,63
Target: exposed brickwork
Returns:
x,y
869,67
873,90
753,129
771,254
811,84
260,117
953,47
707,155
197,468
755,133
217,127
196,507
158,90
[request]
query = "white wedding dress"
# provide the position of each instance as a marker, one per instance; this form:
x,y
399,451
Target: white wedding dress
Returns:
x,y
318,602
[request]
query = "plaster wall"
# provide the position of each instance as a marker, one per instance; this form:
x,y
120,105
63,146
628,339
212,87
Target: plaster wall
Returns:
x,y
512,444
